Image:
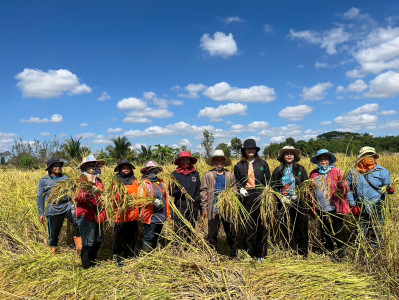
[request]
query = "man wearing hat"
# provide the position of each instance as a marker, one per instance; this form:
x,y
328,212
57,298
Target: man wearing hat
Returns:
x,y
89,210
186,192
213,183
253,174
55,212
369,183
285,179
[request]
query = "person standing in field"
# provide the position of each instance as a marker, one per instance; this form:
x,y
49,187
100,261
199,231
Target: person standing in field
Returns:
x,y
329,200
253,175
369,183
285,179
90,210
186,193
213,183
126,222
154,215
56,212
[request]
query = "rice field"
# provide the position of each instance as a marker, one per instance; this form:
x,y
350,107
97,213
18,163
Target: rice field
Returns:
x,y
181,270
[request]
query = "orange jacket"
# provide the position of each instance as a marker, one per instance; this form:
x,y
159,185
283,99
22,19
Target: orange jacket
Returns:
x,y
131,214
147,212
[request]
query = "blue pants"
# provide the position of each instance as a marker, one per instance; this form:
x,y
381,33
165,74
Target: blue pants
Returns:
x,y
151,235
373,226
90,231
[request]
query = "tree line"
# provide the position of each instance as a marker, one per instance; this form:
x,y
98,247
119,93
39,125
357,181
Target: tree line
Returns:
x,y
34,154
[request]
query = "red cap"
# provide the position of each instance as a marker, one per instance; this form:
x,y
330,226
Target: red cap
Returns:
x,y
184,154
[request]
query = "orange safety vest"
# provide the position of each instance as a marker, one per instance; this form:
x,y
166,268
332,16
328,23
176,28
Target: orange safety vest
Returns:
x,y
131,214
148,210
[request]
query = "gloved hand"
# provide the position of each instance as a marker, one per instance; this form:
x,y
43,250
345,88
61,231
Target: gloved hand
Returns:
x,y
390,189
294,197
356,211
285,200
243,192
156,202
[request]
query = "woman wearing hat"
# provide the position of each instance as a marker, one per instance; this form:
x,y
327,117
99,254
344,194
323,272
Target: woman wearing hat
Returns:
x,y
286,178
56,212
369,183
126,222
213,183
89,209
186,193
330,199
154,215
253,174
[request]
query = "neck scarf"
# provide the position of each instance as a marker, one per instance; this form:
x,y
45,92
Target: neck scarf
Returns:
x,y
366,165
288,181
90,177
126,179
185,170
324,170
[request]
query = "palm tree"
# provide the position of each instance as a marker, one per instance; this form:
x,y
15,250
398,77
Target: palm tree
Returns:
x,y
121,148
74,149
145,153
163,154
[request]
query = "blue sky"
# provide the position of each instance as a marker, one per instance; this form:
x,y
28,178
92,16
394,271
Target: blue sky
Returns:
x,y
163,71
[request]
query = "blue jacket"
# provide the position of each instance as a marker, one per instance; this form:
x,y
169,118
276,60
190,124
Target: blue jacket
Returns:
x,y
361,193
46,184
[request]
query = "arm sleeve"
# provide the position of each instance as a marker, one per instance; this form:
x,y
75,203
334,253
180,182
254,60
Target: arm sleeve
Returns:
x,y
41,198
275,182
197,196
267,173
386,178
349,182
204,194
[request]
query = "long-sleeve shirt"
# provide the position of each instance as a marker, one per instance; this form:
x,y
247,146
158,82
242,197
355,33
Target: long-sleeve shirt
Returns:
x,y
192,184
46,184
361,193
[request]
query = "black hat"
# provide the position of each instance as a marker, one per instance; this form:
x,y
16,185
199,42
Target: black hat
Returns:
x,y
52,161
249,143
123,162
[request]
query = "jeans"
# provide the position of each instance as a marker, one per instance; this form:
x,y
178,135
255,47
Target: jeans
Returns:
x,y
151,235
90,231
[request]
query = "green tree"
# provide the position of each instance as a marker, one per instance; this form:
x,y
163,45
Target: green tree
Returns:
x,y
207,142
73,149
3,161
225,148
120,149
27,162
163,154
236,145
145,154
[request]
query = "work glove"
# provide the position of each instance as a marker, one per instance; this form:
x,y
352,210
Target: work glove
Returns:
x,y
243,192
390,189
294,197
285,200
156,202
356,211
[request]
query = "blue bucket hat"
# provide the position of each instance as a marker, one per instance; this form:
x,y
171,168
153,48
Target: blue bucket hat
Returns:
x,y
332,157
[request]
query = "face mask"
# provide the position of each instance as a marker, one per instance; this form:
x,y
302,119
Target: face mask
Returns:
x,y
94,171
217,168
152,175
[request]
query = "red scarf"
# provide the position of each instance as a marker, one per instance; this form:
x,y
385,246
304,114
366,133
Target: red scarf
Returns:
x,y
366,165
185,170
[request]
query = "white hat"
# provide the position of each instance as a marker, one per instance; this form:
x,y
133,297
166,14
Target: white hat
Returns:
x,y
218,153
367,150
297,153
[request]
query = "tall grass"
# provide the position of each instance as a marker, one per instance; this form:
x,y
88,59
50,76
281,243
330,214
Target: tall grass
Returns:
x,y
182,269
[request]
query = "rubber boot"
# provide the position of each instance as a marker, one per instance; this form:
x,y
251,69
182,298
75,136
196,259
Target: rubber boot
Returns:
x,y
93,252
78,243
53,250
85,256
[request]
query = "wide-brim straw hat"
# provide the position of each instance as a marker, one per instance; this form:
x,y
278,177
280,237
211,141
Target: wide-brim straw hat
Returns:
x,y
332,157
368,150
124,162
91,158
249,143
151,165
218,153
52,161
184,154
297,153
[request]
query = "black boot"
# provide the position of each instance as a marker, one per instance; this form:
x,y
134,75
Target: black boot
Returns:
x,y
85,256
93,252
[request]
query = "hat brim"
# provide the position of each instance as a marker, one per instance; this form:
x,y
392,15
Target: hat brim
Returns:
x,y
100,163
193,160
297,153
227,161
145,169
332,157
117,167
243,149
373,154
56,162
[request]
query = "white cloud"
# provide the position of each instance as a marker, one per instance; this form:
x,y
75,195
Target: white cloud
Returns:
x,y
176,102
257,125
149,96
53,83
356,122
131,103
351,13
280,134
319,65
136,120
150,113
232,19
86,135
326,123
220,45
385,85
193,90
317,92
6,140
237,128
268,28
101,141
222,91
55,118
114,130
83,125
388,112
358,86
393,125
184,142
295,113
310,36
340,89
216,114
104,96
45,133
365,109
